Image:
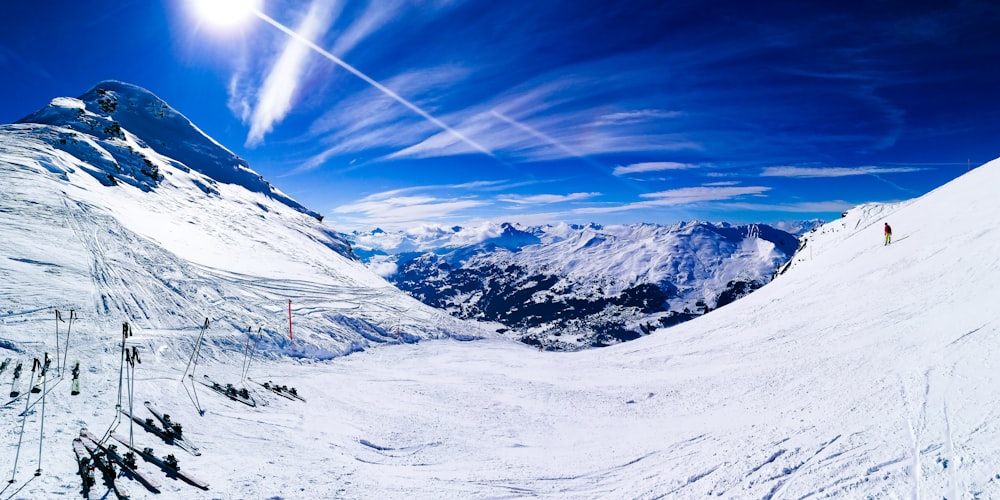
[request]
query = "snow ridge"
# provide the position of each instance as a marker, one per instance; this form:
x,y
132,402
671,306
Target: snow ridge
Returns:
x,y
117,110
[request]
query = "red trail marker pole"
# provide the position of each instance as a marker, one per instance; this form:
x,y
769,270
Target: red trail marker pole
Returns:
x,y
289,319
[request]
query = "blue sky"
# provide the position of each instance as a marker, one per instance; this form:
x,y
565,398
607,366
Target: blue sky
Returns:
x,y
455,111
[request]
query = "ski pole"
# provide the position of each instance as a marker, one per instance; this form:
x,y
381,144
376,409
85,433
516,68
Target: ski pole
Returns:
x,y
121,369
58,340
27,399
69,328
41,432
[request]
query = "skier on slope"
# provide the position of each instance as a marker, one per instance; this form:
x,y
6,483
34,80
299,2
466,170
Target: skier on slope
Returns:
x,y
888,234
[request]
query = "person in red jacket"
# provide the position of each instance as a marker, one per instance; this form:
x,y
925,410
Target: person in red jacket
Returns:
x,y
888,234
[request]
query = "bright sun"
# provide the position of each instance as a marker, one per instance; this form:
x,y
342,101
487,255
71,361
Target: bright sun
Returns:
x,y
224,13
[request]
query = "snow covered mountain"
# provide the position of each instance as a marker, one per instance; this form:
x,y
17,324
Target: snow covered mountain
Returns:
x,y
862,371
570,286
157,224
137,133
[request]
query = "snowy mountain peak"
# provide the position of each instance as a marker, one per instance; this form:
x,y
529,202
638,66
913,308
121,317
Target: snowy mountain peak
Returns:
x,y
128,119
597,283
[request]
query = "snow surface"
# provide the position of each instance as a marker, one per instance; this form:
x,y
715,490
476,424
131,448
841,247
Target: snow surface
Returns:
x,y
863,371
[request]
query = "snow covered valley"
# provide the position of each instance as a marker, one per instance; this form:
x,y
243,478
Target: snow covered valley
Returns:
x,y
862,371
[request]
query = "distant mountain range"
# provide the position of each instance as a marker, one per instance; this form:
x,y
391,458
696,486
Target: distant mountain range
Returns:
x,y
567,287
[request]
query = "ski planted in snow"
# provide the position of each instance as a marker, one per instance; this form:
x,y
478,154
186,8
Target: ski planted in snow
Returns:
x,y
168,463
241,395
281,390
107,469
167,436
43,367
17,374
85,465
75,388
127,462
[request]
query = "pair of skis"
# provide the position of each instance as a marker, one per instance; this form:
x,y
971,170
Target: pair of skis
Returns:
x,y
167,464
170,433
105,458
42,367
85,464
13,383
16,394
281,390
242,395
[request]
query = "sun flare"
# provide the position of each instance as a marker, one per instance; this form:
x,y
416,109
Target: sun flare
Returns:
x,y
224,13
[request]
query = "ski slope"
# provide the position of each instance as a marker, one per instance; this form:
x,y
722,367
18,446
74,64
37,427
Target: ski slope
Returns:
x,y
863,371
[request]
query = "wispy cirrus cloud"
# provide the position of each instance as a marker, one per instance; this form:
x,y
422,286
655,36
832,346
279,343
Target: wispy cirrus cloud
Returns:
x,y
500,103
697,194
554,116
819,172
376,15
546,199
651,167
832,206
545,137
275,97
368,121
638,116
394,210
463,186
679,197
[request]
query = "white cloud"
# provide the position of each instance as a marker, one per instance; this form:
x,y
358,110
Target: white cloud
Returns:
x,y
800,207
702,193
651,167
549,118
545,199
376,15
406,211
372,205
629,117
382,267
681,196
465,186
817,172
403,208
274,99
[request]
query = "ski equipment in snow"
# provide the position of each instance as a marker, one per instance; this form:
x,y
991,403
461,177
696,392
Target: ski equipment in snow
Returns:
x,y
107,469
167,436
168,424
75,389
85,465
168,463
127,464
42,367
241,395
281,390
17,374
